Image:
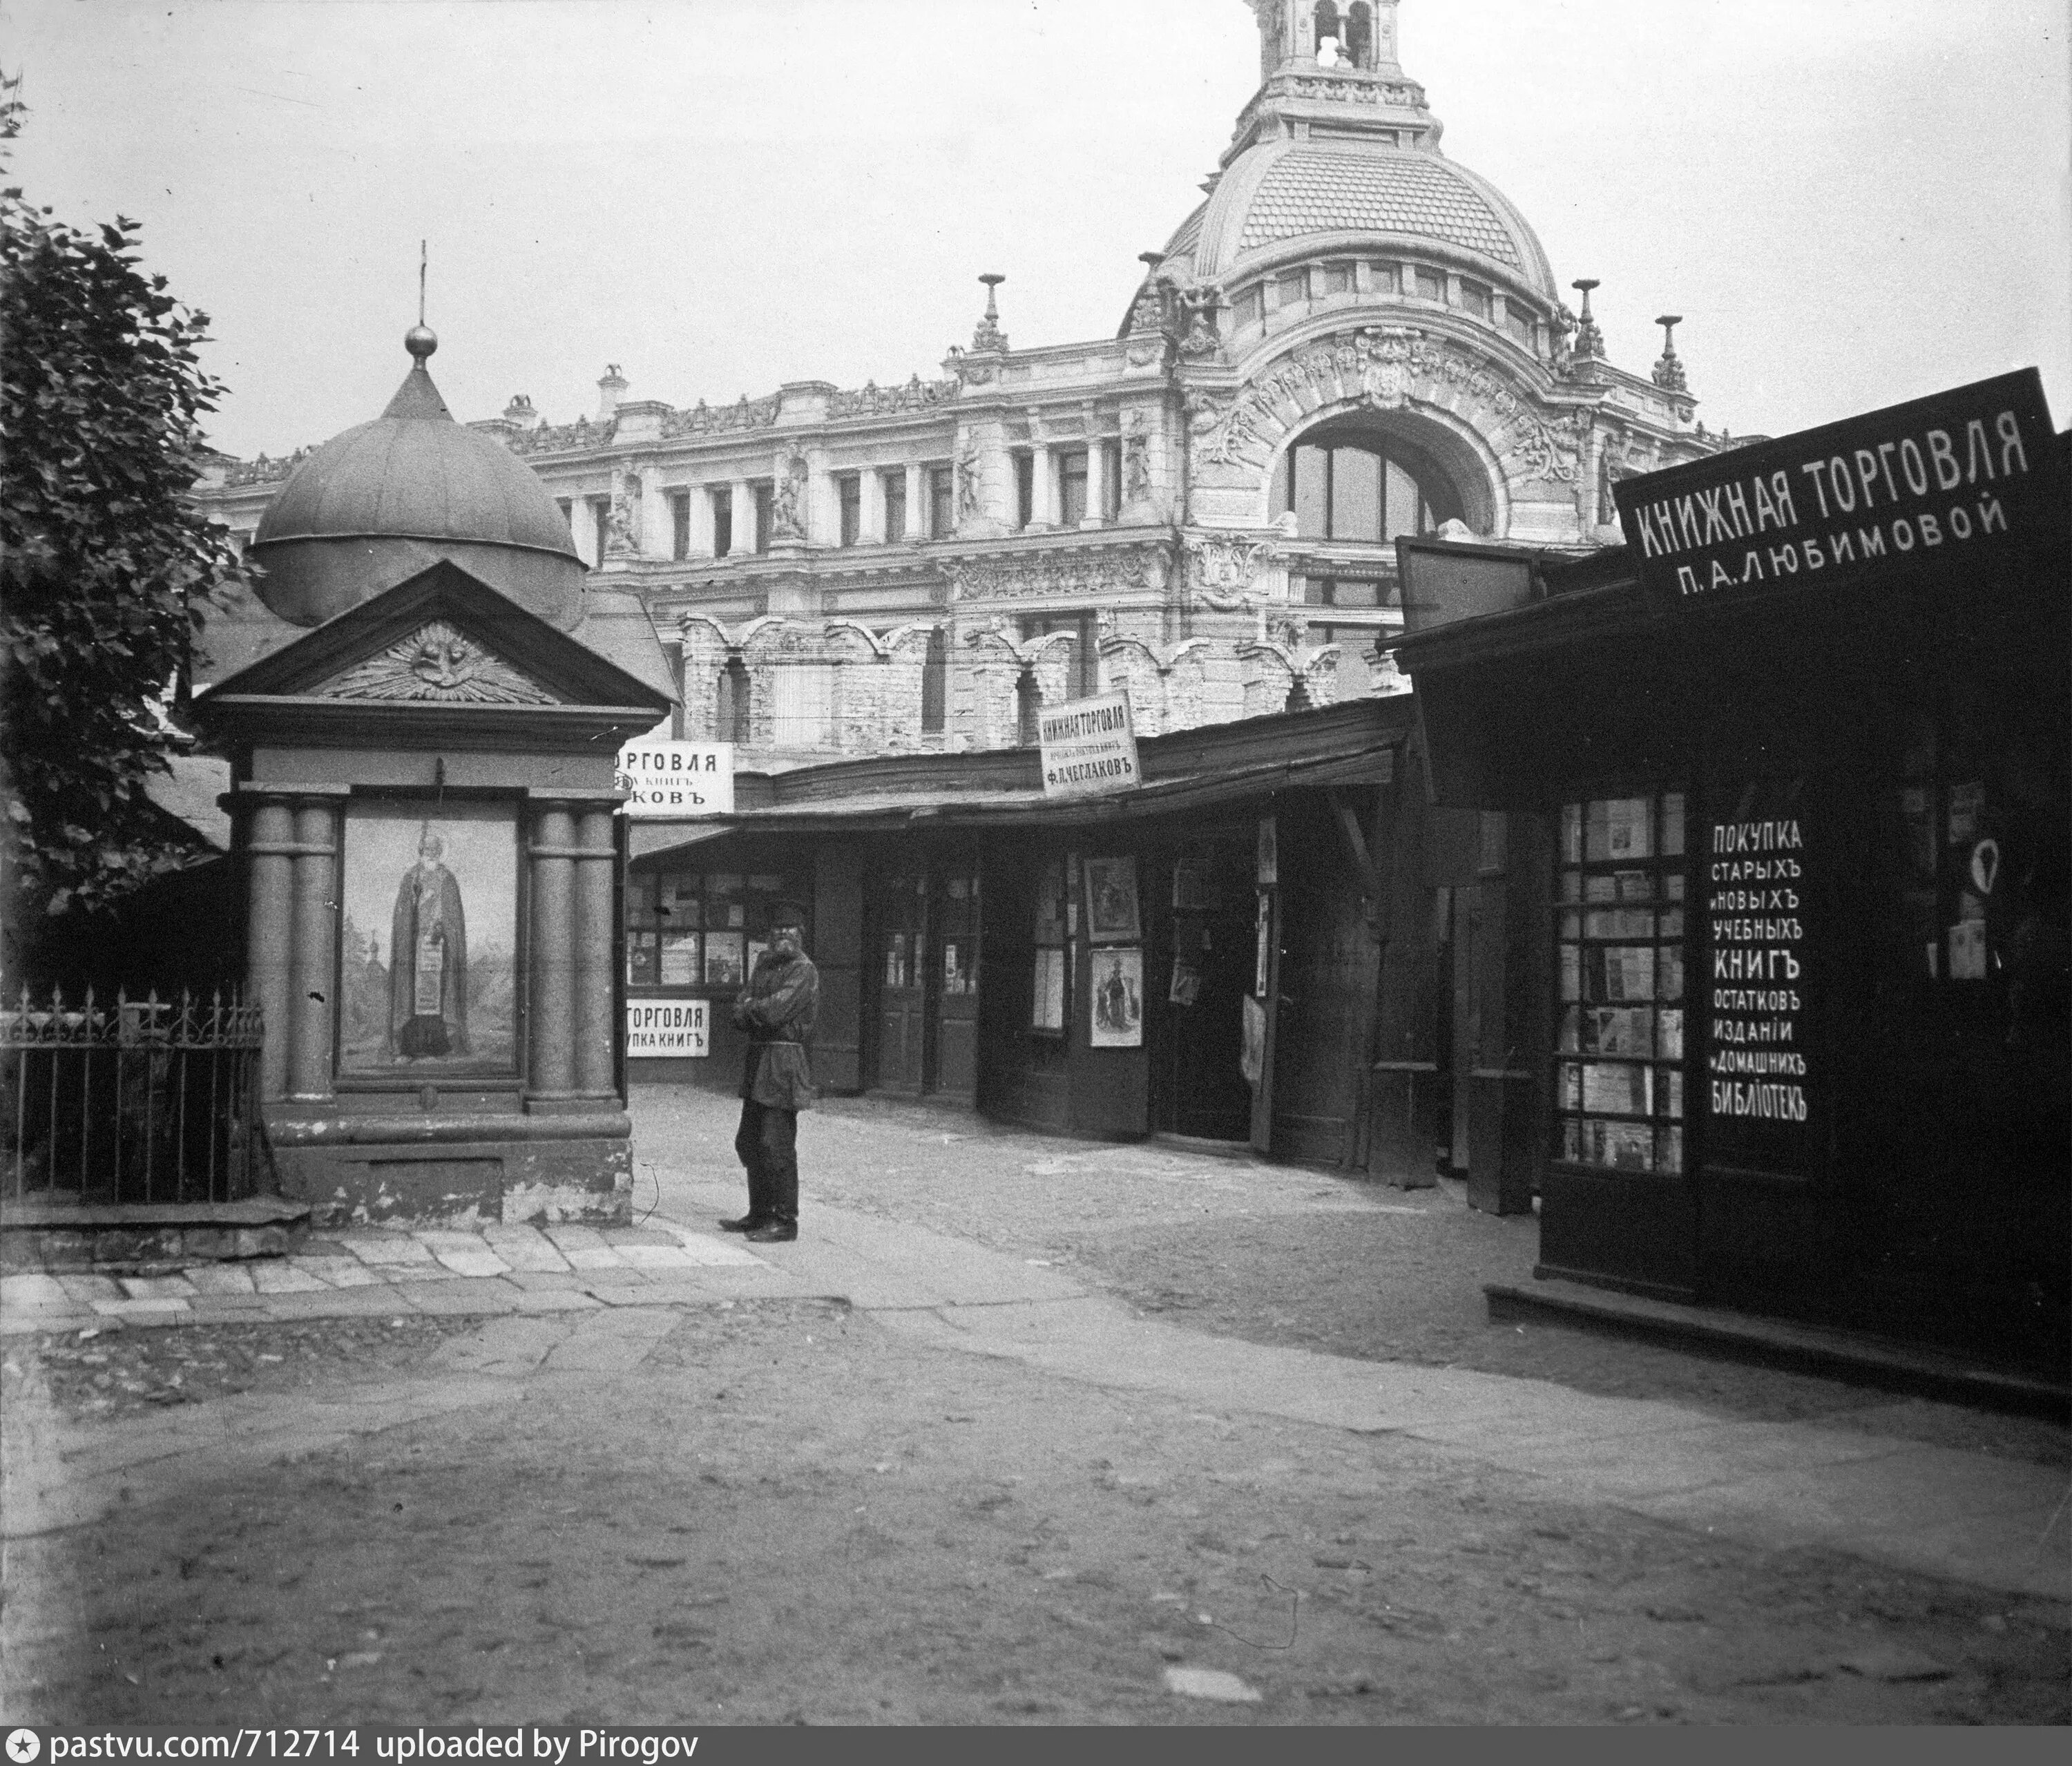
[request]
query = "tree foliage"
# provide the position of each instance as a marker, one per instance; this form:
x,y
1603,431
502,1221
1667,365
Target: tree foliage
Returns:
x,y
105,568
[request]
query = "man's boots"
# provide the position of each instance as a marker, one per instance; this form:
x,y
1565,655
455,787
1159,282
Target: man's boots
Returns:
x,y
774,1232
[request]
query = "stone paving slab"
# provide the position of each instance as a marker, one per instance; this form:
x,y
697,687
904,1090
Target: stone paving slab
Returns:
x,y
144,1288
596,1256
340,1303
344,1271
462,1294
387,1248
545,1281
711,1251
478,1262
564,1234
143,1310
231,1309
86,1289
287,1278
33,1290
524,1248
221,1278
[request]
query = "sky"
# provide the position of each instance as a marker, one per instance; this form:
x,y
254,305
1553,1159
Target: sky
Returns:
x,y
1852,202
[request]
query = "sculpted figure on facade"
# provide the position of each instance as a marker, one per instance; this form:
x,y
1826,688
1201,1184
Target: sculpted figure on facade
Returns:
x,y
620,540
786,516
971,467
1136,459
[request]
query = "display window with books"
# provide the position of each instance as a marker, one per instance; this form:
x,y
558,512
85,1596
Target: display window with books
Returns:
x,y
700,930
1618,1075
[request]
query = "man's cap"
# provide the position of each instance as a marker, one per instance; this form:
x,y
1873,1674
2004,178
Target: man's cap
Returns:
x,y
789,914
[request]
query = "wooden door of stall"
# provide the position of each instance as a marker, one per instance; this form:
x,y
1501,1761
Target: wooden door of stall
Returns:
x,y
1203,943
954,919
900,917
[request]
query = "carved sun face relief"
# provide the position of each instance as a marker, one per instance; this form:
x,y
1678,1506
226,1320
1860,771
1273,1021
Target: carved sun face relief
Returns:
x,y
438,662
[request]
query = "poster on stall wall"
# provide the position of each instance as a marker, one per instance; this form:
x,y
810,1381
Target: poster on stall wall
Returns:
x,y
1118,1000
1758,996
1253,1062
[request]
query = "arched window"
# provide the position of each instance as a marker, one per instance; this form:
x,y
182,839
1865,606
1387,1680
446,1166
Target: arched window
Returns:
x,y
730,718
934,681
1330,40
1348,483
1359,33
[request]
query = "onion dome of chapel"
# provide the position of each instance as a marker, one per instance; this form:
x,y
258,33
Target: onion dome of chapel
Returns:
x,y
387,499
1337,151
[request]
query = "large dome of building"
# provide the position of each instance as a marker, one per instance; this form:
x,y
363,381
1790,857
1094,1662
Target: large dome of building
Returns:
x,y
1338,153
1280,196
385,500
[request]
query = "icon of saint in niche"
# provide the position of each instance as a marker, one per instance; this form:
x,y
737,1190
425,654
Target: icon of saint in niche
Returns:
x,y
428,958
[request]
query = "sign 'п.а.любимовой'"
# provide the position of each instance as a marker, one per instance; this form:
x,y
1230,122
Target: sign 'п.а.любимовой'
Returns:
x,y
1939,487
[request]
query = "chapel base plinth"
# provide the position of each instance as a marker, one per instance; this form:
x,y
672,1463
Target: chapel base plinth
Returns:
x,y
367,1171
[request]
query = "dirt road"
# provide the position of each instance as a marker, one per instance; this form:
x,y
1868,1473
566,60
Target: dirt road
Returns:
x,y
782,1511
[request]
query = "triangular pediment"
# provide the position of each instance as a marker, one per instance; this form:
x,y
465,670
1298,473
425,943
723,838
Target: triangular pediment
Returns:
x,y
443,640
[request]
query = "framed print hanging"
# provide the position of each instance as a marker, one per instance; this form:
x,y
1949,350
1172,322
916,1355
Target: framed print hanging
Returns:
x,y
1111,915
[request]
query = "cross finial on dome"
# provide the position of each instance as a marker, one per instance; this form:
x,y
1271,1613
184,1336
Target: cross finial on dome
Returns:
x,y
421,340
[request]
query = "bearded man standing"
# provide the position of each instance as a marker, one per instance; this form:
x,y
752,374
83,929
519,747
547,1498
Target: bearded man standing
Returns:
x,y
777,1009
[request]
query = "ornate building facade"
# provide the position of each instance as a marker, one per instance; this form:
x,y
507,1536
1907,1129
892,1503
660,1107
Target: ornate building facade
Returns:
x,y
1352,337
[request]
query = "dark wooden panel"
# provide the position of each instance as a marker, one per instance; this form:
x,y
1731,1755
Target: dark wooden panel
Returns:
x,y
1329,962
837,950
1633,1232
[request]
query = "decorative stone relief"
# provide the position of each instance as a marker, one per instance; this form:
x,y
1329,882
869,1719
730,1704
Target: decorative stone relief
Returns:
x,y
1223,568
439,663
701,419
1082,575
1387,369
871,399
1199,340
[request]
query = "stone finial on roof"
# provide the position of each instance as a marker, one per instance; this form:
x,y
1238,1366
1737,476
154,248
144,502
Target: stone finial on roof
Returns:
x,y
1589,343
989,334
1669,373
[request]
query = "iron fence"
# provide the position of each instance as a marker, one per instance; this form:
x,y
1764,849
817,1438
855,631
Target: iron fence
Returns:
x,y
146,1100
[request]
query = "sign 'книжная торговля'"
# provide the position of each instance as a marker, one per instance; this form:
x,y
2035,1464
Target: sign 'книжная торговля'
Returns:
x,y
1940,481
